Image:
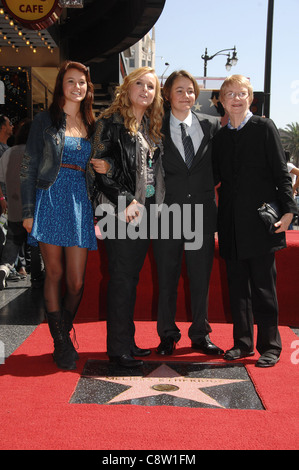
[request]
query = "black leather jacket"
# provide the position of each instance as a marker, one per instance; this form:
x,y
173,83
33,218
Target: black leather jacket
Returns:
x,y
113,142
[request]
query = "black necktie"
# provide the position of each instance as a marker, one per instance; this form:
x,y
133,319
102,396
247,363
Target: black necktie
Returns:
x,y
188,145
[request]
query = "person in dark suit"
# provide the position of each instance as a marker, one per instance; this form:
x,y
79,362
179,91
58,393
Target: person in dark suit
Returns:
x,y
190,187
249,162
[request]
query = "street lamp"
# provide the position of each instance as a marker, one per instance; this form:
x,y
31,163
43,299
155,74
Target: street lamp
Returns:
x,y
162,77
268,60
229,63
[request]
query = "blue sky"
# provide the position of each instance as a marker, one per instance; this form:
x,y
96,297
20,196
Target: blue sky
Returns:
x,y
186,27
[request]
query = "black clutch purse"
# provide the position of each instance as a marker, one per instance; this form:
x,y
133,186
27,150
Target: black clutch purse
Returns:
x,y
270,213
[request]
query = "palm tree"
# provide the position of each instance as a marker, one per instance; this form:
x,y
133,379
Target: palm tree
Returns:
x,y
290,141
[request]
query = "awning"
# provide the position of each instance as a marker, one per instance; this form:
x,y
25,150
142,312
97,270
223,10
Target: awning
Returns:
x,y
90,34
104,28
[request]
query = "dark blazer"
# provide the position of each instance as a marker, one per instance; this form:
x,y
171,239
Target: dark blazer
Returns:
x,y
251,166
194,185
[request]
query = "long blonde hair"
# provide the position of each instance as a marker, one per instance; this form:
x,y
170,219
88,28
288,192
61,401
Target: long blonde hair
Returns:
x,y
123,105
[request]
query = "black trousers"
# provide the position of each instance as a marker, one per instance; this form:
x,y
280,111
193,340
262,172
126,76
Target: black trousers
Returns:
x,y
252,290
169,255
125,260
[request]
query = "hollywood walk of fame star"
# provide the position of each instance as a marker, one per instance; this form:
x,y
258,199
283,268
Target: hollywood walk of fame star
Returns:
x,y
197,106
163,380
214,102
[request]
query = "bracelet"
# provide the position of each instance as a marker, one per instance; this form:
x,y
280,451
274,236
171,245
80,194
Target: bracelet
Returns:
x,y
2,198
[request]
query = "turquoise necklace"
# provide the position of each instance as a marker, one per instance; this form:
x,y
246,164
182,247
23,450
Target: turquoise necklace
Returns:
x,y
151,146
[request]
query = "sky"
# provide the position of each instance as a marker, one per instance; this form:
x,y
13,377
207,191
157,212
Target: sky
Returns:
x,y
186,27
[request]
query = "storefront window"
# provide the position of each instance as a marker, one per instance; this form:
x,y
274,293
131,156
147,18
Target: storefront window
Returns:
x,y
43,83
26,91
41,94
16,82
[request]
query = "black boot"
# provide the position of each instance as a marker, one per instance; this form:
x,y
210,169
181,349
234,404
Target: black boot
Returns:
x,y
67,321
63,354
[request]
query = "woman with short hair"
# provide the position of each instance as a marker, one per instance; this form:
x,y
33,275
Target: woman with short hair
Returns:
x,y
249,163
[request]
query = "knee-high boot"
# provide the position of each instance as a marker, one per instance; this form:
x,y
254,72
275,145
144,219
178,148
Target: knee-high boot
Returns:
x,y
63,353
68,318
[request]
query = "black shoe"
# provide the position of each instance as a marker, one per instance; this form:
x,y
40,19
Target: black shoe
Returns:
x,y
207,347
14,276
267,359
67,325
126,361
166,346
135,351
236,353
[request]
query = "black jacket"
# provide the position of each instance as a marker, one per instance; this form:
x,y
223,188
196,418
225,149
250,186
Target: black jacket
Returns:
x,y
251,166
194,185
113,142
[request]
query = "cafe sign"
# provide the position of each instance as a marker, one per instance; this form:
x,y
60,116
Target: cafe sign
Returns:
x,y
34,14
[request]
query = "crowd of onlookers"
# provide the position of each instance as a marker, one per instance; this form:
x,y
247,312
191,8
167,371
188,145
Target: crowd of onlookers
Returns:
x,y
17,259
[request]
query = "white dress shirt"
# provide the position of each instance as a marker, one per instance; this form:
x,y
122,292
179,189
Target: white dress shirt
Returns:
x,y
193,128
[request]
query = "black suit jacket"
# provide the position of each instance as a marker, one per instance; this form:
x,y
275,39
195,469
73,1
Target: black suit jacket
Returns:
x,y
251,166
194,185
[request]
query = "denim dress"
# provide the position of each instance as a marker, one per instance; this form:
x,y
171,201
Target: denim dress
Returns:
x,y
63,213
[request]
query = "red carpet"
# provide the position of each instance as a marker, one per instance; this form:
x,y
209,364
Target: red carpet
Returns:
x,y
35,412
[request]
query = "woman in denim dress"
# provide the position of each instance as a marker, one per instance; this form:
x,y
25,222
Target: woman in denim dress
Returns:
x,y
57,211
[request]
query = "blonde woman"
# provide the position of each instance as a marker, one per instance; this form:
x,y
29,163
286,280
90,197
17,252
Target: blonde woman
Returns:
x,y
128,136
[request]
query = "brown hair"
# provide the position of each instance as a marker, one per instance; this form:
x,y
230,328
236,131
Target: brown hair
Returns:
x,y
170,81
56,108
123,105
